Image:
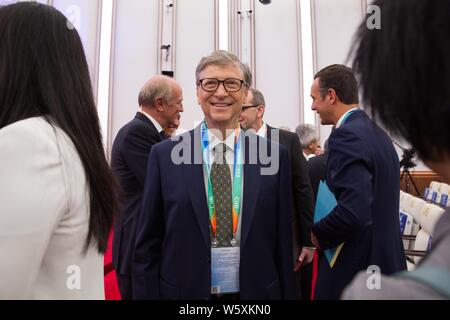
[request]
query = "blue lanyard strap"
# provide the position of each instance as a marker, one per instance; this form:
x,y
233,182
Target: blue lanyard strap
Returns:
x,y
348,115
237,181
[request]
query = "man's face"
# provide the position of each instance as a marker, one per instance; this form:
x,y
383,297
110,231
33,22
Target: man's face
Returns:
x,y
221,108
174,107
249,115
321,105
313,146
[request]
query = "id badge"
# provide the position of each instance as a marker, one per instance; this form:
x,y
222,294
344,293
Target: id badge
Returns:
x,y
225,269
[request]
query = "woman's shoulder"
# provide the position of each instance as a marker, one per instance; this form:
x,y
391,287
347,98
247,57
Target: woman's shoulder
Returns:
x,y
35,133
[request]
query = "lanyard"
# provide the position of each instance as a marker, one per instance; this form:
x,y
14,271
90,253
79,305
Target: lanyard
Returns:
x,y
348,115
237,181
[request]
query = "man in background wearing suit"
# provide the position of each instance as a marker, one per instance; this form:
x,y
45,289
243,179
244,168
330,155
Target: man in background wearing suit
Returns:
x,y
252,119
160,102
309,140
363,173
215,221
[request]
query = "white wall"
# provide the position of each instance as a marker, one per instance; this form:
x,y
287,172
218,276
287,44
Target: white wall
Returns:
x,y
195,39
334,25
85,15
134,57
277,62
136,54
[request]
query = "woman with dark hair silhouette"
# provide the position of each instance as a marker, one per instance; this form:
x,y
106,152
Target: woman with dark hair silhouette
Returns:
x,y
58,196
404,71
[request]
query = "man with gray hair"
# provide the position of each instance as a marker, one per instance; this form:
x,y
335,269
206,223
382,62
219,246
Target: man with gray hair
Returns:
x,y
308,140
160,104
212,225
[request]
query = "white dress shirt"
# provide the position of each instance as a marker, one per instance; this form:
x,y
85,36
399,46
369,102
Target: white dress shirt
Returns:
x,y
262,132
214,141
341,119
155,123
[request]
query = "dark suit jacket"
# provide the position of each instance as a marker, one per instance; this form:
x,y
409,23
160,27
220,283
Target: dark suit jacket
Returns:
x,y
172,257
302,191
317,167
130,153
363,173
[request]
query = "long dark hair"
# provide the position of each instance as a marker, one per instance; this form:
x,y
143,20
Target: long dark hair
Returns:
x,y
43,72
404,72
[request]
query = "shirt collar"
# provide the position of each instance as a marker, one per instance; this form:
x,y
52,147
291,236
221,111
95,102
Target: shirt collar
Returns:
x,y
214,141
339,123
155,123
262,132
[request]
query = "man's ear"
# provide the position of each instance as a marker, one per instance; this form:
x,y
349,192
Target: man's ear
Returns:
x,y
198,95
245,95
159,104
332,96
261,110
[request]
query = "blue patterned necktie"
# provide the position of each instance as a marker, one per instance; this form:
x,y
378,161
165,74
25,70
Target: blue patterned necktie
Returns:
x,y
221,184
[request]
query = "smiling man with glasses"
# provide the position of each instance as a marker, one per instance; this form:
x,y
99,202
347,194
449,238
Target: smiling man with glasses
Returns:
x,y
214,226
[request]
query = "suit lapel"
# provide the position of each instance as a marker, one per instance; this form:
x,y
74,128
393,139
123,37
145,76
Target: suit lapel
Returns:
x,y
194,180
146,120
251,190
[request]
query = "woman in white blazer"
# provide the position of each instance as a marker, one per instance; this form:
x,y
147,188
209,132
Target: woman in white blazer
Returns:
x,y
57,194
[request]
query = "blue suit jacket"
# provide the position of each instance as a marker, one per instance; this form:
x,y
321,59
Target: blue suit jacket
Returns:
x,y
172,257
363,173
129,159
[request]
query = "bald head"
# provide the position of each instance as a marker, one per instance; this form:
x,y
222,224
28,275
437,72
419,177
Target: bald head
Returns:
x,y
157,87
162,98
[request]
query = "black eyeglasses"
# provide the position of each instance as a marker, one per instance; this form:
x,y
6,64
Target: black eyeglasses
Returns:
x,y
248,107
230,84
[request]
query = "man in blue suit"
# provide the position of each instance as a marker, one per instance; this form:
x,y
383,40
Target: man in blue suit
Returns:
x,y
216,214
160,101
363,173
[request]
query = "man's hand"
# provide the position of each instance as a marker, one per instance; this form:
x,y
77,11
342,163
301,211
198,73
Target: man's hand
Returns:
x,y
306,256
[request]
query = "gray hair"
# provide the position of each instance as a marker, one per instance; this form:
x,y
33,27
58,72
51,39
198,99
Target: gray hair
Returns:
x,y
307,134
258,97
156,88
223,58
247,74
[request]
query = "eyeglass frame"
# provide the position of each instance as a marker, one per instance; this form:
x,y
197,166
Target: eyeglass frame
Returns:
x,y
251,106
200,82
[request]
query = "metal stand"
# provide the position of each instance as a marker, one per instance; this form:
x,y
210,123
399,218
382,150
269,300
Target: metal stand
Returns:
x,y
407,175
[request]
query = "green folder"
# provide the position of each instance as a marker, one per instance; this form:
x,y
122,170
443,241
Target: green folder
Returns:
x,y
325,203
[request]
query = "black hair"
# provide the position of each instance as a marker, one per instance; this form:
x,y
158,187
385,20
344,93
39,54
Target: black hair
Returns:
x,y
404,71
342,80
43,72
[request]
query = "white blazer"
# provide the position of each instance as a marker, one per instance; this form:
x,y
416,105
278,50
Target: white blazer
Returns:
x,y
44,217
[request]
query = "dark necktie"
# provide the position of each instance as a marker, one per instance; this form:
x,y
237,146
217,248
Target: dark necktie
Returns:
x,y
221,184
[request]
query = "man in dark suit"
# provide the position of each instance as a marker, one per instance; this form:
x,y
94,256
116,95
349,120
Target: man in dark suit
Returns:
x,y
211,227
160,102
363,173
252,119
